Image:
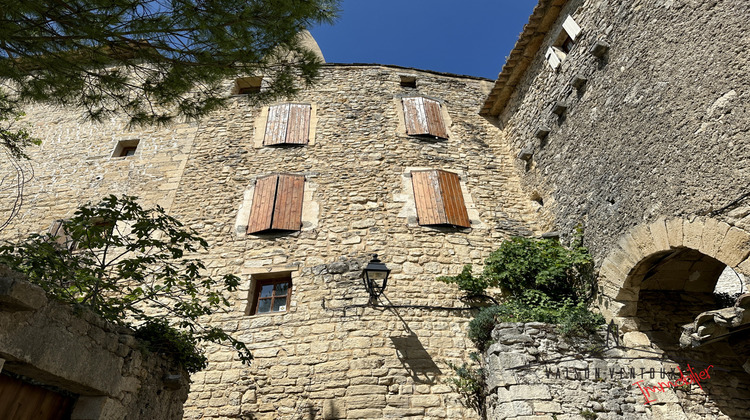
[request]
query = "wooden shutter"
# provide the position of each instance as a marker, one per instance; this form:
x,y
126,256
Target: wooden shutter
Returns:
x,y
439,199
453,199
276,125
277,203
416,121
288,124
261,214
298,128
571,27
435,124
423,117
287,213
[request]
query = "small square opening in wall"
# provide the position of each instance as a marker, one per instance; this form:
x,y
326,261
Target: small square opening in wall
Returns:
x,y
408,81
271,294
564,43
247,85
125,148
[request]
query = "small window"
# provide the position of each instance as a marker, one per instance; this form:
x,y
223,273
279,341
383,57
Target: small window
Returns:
x,y
408,81
424,117
564,43
125,148
288,124
271,295
439,198
277,203
247,85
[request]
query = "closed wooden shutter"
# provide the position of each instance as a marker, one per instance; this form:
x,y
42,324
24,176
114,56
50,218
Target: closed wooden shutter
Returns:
x,y
439,199
288,124
277,203
287,214
453,199
423,117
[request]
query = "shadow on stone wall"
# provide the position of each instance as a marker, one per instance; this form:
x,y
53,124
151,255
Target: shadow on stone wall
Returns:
x,y
415,359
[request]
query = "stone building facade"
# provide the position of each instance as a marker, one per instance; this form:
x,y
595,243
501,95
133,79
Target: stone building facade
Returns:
x,y
326,351
626,117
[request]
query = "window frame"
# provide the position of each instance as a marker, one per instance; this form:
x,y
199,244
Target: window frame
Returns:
x,y
277,278
123,146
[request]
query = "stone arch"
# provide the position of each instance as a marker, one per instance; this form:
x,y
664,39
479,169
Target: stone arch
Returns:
x,y
623,270
659,278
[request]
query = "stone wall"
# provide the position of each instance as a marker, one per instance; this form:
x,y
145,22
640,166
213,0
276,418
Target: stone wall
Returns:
x,y
534,373
659,129
329,353
103,366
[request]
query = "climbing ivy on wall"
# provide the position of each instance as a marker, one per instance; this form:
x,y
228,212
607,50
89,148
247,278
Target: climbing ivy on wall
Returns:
x,y
539,280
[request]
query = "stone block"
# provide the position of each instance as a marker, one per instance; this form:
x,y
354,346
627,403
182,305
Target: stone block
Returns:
x,y
713,235
636,339
674,232
19,295
692,233
669,411
659,234
529,392
734,248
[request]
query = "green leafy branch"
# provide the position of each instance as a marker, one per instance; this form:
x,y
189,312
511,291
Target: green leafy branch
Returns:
x,y
132,266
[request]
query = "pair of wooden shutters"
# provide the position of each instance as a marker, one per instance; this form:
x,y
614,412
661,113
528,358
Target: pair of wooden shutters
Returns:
x,y
424,118
277,203
288,124
439,198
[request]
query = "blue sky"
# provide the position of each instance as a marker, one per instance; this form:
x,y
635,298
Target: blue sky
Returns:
x,y
470,37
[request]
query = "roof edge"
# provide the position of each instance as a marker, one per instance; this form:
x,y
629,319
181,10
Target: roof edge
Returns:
x,y
395,66
545,14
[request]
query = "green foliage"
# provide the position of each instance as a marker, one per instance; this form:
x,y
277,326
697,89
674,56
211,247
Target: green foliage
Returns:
x,y
178,345
15,139
128,264
725,300
544,282
480,328
521,264
469,383
154,60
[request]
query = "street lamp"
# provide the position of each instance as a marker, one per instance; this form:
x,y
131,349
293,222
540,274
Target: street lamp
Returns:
x,y
375,276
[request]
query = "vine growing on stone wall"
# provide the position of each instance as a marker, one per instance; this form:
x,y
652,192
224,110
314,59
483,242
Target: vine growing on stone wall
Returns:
x,y
134,267
539,279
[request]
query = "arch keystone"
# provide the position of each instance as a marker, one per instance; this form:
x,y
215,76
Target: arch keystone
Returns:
x,y
692,233
659,234
674,232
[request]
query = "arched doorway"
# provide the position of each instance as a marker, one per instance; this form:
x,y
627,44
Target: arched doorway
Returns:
x,y
660,285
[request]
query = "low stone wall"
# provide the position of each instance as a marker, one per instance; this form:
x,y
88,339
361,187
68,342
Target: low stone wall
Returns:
x,y
103,366
534,373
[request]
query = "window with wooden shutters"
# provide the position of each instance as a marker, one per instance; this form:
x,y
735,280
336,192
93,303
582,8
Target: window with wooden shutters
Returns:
x,y
277,203
287,124
439,198
423,117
